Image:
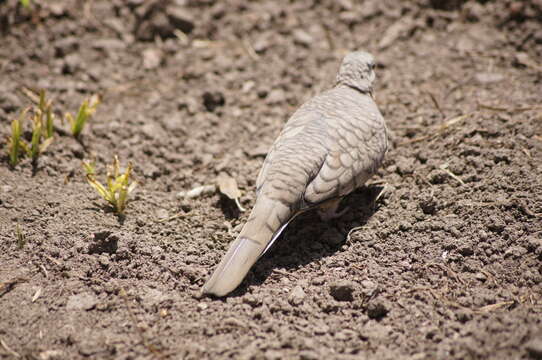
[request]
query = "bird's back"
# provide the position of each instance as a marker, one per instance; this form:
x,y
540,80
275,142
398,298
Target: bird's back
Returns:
x,y
329,147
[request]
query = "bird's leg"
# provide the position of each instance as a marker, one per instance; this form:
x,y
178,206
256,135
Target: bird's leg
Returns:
x,y
328,210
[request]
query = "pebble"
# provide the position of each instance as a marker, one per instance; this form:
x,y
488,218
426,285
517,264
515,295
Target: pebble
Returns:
x,y
377,309
212,100
318,281
342,290
308,355
152,58
321,329
181,19
231,321
251,300
368,288
428,204
84,301
515,252
297,296
109,44
489,78
466,250
302,37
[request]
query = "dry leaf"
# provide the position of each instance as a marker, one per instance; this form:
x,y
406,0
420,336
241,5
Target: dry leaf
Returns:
x,y
228,186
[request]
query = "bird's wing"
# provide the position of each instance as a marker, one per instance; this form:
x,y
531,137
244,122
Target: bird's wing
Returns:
x,y
356,142
294,131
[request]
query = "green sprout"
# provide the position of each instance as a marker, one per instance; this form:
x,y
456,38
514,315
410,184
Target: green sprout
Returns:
x,y
42,132
14,141
21,240
45,108
25,3
36,145
117,187
87,108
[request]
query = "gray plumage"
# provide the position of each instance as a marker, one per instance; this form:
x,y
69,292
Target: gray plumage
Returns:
x,y
330,146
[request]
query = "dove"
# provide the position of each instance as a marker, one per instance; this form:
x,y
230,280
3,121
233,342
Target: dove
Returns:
x,y
329,147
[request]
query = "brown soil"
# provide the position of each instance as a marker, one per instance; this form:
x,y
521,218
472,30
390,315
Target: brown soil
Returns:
x,y
445,264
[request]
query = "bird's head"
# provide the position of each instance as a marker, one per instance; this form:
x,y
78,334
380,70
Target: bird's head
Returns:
x,y
357,71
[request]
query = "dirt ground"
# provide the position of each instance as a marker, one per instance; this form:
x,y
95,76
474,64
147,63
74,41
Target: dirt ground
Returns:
x,y
440,256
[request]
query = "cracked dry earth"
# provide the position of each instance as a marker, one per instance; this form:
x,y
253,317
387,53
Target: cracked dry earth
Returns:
x,y
440,256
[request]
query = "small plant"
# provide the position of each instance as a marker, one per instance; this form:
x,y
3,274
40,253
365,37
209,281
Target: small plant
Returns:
x,y
87,108
45,108
117,187
42,132
25,3
37,146
14,141
21,240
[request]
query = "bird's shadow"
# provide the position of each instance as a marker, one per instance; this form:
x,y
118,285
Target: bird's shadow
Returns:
x,y
308,239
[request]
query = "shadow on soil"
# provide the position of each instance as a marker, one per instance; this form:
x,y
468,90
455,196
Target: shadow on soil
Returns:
x,y
308,239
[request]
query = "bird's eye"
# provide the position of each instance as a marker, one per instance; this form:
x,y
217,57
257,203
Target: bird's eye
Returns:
x,y
372,65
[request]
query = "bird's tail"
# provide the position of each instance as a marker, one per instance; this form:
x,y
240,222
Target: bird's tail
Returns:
x,y
265,223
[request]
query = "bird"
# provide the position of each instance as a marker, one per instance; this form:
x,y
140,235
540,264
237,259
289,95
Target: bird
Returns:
x,y
330,146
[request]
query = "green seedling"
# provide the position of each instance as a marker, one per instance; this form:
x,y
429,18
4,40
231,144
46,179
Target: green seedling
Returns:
x,y
21,240
45,109
25,3
117,187
36,145
42,132
87,108
14,141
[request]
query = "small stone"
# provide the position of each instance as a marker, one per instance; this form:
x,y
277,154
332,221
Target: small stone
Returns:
x,y
161,214
154,296
275,96
231,321
534,243
463,315
66,45
515,252
51,355
321,329
297,296
318,281
495,224
368,288
212,100
251,300
302,37
308,355
405,166
377,309
104,242
534,348
108,44
428,204
273,355
84,301
466,250
152,58
342,290
489,78
180,19
153,130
